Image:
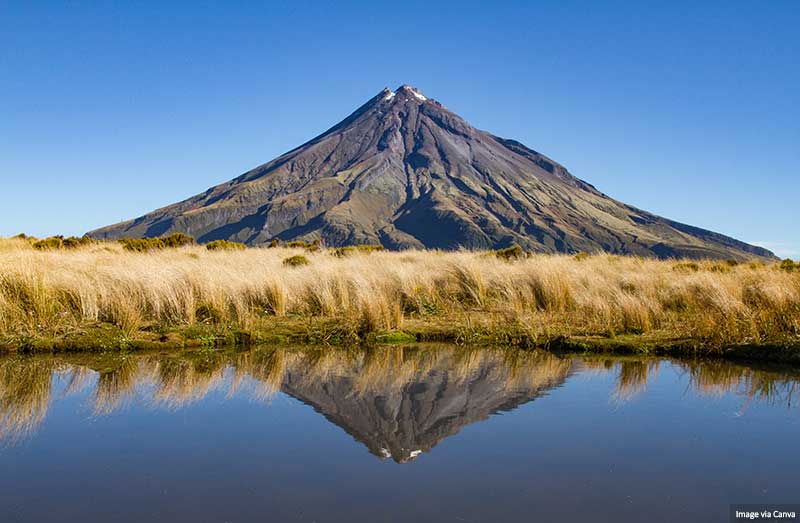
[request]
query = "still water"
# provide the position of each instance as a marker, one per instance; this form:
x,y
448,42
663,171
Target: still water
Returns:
x,y
436,433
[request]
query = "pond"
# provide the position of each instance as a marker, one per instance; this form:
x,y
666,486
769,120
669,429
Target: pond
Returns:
x,y
426,433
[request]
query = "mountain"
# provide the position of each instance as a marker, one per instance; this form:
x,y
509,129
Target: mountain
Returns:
x,y
405,172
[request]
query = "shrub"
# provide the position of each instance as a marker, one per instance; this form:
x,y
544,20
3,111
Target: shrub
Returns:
x,y
177,239
296,261
225,245
276,242
141,244
149,244
59,242
581,256
509,253
73,242
49,244
300,244
789,265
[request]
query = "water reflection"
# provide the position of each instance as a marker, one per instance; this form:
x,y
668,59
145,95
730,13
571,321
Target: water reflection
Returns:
x,y
402,404
398,402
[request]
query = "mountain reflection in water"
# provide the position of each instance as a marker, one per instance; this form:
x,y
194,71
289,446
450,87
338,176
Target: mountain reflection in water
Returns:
x,y
398,402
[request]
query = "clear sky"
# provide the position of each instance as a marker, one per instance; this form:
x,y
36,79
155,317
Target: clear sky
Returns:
x,y
690,110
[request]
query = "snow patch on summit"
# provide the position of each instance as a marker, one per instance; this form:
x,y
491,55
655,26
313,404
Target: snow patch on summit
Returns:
x,y
415,93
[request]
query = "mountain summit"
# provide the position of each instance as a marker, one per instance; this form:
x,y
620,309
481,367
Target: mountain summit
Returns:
x,y
403,171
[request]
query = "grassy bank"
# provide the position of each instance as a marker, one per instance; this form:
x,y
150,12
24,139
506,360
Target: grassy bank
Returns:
x,y
102,295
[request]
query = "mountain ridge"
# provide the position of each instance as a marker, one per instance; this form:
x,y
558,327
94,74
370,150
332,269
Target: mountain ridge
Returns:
x,y
405,172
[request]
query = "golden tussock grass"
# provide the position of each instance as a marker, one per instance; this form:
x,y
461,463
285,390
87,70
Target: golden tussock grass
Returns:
x,y
53,292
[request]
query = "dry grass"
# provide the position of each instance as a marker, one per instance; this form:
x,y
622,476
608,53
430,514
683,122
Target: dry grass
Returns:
x,y
58,291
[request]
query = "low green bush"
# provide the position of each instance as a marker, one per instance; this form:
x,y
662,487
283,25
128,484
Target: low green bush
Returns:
x,y
789,265
172,241
141,244
73,242
177,239
59,242
300,244
49,244
225,245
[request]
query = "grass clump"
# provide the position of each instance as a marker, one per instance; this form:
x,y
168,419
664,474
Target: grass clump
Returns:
x,y
395,337
686,267
225,245
296,261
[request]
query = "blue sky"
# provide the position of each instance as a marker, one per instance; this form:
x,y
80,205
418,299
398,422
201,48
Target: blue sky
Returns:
x,y
686,109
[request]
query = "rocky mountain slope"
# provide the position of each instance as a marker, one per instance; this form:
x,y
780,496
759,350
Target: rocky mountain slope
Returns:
x,y
405,172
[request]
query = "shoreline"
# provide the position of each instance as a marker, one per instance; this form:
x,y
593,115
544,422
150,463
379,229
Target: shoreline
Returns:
x,y
337,334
